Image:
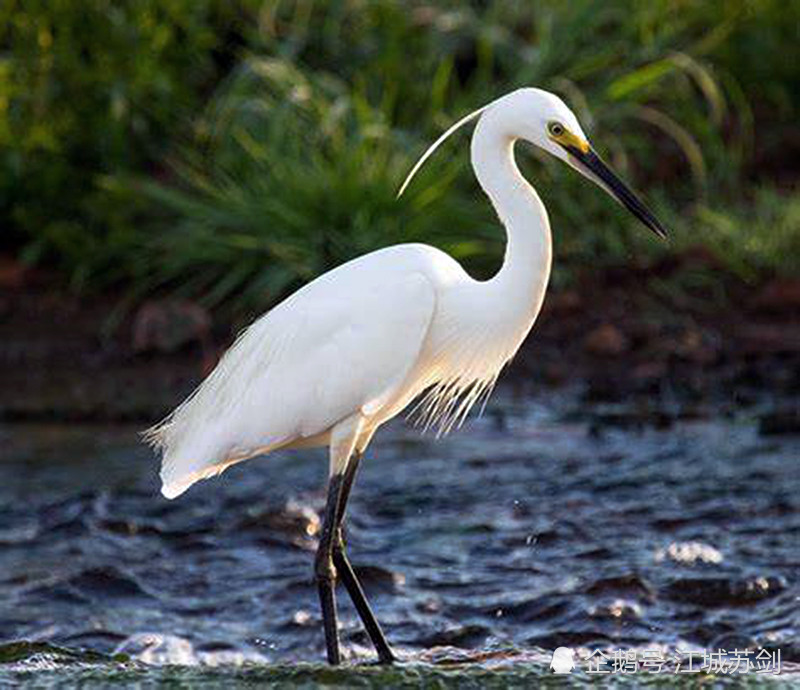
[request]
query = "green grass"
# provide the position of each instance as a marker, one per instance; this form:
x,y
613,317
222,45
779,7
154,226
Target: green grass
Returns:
x,y
293,174
292,165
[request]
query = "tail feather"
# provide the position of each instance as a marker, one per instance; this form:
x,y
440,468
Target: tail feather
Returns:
x,y
173,483
187,458
182,462
197,439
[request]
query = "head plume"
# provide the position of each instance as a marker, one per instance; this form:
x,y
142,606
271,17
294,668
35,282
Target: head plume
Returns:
x,y
435,145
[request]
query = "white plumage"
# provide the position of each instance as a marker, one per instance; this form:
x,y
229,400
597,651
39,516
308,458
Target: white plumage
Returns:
x,y
353,348
321,356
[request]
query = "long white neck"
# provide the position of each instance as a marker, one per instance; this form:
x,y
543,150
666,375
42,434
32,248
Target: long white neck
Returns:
x,y
522,280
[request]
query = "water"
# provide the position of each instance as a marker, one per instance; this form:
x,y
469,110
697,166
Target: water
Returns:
x,y
537,526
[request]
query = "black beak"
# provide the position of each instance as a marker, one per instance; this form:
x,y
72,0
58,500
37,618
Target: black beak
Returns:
x,y
595,167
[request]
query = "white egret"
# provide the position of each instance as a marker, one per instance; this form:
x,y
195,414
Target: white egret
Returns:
x,y
352,349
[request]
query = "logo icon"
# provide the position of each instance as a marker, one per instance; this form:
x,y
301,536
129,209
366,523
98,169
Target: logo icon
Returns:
x,y
563,661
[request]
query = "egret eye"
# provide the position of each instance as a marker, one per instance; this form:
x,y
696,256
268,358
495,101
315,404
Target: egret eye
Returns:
x,y
556,129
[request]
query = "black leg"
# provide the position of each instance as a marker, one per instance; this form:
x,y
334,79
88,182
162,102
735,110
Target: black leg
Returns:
x,y
325,571
348,478
327,599
348,576
354,589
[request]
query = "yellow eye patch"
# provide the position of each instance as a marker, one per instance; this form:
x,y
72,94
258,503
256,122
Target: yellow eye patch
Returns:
x,y
561,135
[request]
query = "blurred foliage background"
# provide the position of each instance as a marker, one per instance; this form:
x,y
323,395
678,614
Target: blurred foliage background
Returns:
x,y
229,150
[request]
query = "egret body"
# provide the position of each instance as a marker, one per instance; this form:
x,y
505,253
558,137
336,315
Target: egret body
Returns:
x,y
352,349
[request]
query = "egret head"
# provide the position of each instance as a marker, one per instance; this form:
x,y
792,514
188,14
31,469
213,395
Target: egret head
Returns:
x,y
540,118
544,120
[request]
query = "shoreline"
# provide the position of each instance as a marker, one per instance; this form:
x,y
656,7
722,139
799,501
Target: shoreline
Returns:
x,y
622,335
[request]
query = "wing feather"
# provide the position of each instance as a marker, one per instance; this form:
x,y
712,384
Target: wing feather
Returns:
x,y
344,344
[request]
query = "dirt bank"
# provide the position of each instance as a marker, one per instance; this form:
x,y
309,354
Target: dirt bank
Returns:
x,y
682,330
